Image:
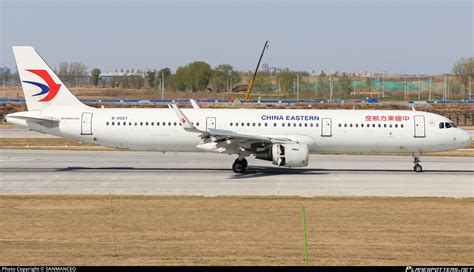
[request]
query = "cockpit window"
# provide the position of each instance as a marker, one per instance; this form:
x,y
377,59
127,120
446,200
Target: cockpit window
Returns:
x,y
441,125
447,125
453,125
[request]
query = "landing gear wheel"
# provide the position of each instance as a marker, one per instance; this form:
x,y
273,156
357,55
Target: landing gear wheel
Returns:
x,y
418,168
245,163
239,166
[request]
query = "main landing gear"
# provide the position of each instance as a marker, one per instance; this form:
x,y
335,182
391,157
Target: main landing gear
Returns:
x,y
239,165
416,161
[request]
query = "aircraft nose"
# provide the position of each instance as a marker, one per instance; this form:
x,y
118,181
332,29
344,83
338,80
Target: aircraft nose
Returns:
x,y
466,138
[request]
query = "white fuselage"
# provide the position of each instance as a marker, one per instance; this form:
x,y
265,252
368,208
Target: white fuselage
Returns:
x,y
371,131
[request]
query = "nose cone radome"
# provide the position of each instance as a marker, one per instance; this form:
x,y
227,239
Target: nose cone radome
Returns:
x,y
466,139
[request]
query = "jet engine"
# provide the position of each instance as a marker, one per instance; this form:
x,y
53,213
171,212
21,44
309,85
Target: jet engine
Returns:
x,y
289,155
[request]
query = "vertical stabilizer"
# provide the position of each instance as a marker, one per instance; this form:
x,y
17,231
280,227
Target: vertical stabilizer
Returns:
x,y
41,86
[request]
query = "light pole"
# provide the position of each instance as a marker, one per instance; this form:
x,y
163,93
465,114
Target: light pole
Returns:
x,y
470,83
330,88
162,86
406,89
297,88
429,97
419,88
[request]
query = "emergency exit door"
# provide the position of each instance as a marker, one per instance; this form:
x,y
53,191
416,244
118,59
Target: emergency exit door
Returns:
x,y
326,127
419,126
86,123
210,123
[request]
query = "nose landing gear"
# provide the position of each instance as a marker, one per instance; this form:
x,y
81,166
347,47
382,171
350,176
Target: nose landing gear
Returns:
x,y
416,161
239,165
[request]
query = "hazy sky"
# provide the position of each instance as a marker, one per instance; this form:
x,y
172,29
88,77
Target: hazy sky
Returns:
x,y
391,36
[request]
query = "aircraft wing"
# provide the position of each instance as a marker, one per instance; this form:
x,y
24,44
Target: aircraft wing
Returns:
x,y
229,136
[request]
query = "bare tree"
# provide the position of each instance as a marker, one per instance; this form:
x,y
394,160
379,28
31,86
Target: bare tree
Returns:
x,y
464,70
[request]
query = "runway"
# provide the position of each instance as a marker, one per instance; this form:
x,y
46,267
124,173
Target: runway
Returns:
x,y
149,173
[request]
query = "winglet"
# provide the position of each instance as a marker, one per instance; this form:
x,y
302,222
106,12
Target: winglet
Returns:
x,y
187,125
195,104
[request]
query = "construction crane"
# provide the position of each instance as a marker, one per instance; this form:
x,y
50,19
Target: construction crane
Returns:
x,y
252,81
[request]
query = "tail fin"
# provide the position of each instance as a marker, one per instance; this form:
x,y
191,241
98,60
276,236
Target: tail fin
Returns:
x,y
41,86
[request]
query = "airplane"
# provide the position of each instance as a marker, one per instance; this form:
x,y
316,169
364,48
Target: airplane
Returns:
x,y
284,137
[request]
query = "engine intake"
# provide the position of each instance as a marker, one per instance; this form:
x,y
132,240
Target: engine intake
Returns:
x,y
289,155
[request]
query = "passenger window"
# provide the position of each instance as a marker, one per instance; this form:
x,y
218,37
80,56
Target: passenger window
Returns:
x,y
340,125
294,124
164,123
401,125
373,125
361,125
146,124
248,124
259,124
107,123
266,124
311,124
118,123
390,125
380,125
230,123
175,124
396,125
169,124
113,123
345,125
197,124
305,124
282,124
152,123
350,125
317,124
356,125
301,125
129,123
242,124
253,124
157,123
384,125
236,124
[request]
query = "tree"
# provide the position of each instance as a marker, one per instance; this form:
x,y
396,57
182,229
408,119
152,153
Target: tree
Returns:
x,y
464,70
262,81
345,83
69,69
95,76
150,78
194,76
164,72
323,84
286,80
137,81
223,77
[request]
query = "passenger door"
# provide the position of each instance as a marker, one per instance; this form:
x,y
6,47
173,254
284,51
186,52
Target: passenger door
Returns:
x,y
210,123
86,123
326,127
419,126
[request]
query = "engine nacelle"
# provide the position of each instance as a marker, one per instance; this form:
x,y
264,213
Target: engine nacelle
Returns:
x,y
289,155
